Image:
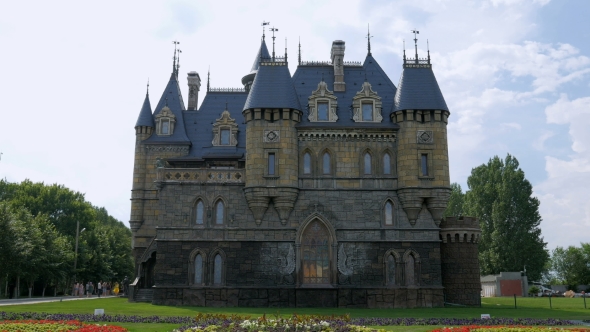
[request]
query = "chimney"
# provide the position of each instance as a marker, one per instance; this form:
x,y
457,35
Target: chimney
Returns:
x,y
194,85
337,55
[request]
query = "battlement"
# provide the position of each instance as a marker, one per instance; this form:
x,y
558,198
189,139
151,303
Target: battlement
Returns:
x,y
460,229
459,222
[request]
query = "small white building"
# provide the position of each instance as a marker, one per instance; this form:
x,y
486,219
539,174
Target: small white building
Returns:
x,y
504,284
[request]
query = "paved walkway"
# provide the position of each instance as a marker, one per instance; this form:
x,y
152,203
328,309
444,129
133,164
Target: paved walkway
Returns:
x,y
26,300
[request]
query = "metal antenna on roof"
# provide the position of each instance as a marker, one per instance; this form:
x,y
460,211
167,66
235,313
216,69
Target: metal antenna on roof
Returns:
x,y
416,32
273,29
428,49
263,24
368,40
174,62
299,49
208,77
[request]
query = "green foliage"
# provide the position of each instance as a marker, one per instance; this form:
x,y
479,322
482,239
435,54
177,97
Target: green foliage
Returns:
x,y
38,235
501,198
534,290
572,265
456,201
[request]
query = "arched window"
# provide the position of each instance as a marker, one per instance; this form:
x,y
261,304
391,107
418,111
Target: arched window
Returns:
x,y
307,163
367,163
199,269
388,212
217,270
199,211
410,268
315,254
390,270
219,212
326,163
386,164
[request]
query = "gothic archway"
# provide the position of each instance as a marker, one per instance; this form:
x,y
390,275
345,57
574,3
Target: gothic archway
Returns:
x,y
316,253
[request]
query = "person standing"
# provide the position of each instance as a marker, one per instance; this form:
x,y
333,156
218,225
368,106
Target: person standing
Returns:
x,y
88,289
99,288
91,290
81,289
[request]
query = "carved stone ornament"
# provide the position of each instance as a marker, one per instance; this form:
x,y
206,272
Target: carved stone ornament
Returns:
x,y
287,266
367,95
344,265
164,115
322,95
424,136
271,136
225,122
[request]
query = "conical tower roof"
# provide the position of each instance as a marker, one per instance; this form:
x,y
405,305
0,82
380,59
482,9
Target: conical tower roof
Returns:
x,y
262,53
418,90
145,118
273,88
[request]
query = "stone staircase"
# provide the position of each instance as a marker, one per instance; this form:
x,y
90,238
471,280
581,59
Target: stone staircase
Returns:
x,y
144,295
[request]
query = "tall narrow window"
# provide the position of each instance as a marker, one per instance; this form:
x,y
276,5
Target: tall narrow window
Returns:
x,y
367,111
390,270
388,213
386,164
424,162
410,266
315,254
367,162
199,212
326,163
271,163
219,212
307,163
323,111
199,269
225,133
217,269
165,126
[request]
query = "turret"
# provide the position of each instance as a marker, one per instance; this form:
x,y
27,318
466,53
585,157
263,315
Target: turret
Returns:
x,y
423,163
194,86
337,55
248,79
271,112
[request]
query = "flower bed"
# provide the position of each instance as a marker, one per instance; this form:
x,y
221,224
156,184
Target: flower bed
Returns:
x,y
55,326
512,328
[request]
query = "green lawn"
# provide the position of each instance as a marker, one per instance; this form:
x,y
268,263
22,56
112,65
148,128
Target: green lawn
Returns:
x,y
564,308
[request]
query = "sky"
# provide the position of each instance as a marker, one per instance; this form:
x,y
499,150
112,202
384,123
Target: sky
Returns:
x,y
515,75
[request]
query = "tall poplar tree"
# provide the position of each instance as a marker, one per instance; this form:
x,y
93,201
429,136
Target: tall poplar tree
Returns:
x,y
501,198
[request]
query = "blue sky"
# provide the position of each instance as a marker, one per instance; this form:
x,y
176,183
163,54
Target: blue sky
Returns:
x,y
515,75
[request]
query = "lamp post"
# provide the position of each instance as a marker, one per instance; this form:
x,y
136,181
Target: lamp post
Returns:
x,y
78,232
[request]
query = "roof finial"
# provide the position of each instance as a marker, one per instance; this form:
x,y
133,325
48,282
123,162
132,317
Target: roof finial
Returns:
x,y
174,62
404,51
416,32
178,63
208,77
148,87
428,49
368,40
273,29
263,24
285,49
299,49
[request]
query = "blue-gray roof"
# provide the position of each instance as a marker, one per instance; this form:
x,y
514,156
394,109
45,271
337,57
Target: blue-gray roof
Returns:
x,y
171,97
262,53
306,79
272,88
199,125
145,118
418,90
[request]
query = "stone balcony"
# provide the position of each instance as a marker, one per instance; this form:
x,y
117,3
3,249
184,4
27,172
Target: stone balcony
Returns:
x,y
204,175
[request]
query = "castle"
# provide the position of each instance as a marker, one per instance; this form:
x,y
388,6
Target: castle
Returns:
x,y
325,188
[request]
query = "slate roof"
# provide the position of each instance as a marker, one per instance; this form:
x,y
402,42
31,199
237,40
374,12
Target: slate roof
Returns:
x,y
262,52
306,79
418,90
172,97
145,118
199,125
272,88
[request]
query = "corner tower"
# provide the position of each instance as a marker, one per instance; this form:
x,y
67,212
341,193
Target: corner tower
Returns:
x,y
271,112
423,163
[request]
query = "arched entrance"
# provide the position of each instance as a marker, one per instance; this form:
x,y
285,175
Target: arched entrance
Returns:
x,y
315,268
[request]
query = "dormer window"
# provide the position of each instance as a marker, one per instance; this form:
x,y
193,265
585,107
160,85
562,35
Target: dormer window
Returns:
x,y
367,105
165,121
225,131
322,104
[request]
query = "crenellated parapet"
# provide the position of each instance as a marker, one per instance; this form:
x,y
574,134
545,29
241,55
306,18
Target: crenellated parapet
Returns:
x,y
460,229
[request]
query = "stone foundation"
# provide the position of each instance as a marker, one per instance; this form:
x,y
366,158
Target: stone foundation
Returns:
x,y
392,298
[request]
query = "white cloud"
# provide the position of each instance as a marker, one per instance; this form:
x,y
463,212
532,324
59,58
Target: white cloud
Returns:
x,y
511,125
539,143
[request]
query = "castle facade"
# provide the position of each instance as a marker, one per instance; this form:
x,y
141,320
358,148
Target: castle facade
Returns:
x,y
322,188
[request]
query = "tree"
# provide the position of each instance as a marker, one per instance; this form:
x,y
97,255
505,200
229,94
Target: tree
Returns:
x,y
501,198
455,205
572,265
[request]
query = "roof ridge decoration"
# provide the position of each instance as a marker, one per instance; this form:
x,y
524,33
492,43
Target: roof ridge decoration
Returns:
x,y
417,62
225,121
322,94
367,95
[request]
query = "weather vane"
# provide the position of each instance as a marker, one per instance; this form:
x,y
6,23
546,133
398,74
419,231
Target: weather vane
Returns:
x,y
174,69
416,32
273,29
264,24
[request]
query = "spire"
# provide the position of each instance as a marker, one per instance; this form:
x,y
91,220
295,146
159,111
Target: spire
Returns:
x,y
208,77
368,40
263,24
404,51
428,50
416,32
273,29
145,118
285,49
174,69
299,50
